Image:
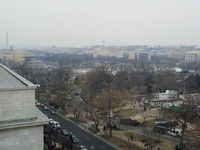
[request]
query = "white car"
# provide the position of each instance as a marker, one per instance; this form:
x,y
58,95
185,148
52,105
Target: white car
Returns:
x,y
82,147
54,123
51,120
46,108
57,125
175,132
37,104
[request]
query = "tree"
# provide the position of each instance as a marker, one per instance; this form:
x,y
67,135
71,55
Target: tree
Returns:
x,y
96,117
192,83
122,81
166,80
54,84
184,114
96,81
108,102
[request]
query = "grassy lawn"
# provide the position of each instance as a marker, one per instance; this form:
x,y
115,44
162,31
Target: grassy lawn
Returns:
x,y
123,141
158,142
124,145
143,138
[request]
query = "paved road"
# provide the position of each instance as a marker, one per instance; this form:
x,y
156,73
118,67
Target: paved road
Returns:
x,y
140,130
86,138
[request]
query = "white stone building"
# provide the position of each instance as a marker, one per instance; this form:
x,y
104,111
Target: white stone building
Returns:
x,y
21,123
165,99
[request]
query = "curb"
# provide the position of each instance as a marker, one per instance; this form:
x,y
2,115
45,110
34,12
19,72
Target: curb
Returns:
x,y
98,137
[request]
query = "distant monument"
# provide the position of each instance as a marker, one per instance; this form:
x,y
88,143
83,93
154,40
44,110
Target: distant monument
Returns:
x,y
21,123
7,41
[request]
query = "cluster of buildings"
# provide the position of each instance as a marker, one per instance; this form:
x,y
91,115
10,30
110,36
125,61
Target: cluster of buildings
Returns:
x,y
170,98
192,57
165,99
137,55
36,63
192,60
142,57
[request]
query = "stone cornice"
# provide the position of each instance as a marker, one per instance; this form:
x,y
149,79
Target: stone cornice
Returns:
x,y
22,123
17,89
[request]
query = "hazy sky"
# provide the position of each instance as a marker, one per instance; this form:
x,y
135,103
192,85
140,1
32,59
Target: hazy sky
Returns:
x,y
87,22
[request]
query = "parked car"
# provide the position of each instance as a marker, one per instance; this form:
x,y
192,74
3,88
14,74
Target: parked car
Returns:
x,y
129,122
46,108
52,112
175,132
161,129
75,139
50,120
54,123
65,132
82,147
37,104
168,124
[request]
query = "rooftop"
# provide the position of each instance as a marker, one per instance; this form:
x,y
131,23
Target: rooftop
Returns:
x,y
12,80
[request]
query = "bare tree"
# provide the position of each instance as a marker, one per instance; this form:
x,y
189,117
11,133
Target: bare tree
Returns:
x,y
184,114
108,101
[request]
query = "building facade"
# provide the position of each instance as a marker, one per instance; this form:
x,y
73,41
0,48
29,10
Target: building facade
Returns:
x,y
142,57
192,57
21,123
164,99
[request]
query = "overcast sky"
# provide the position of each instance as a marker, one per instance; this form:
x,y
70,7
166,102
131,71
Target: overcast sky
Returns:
x,y
88,22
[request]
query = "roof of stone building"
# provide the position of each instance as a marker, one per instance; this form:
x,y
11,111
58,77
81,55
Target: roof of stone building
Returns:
x,y
18,108
10,79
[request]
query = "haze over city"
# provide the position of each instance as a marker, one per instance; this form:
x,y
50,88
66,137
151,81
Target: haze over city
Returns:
x,y
99,75
89,22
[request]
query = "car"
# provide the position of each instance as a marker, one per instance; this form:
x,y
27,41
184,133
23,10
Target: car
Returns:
x,y
175,132
52,112
82,147
46,108
50,120
57,124
65,132
168,124
160,129
54,123
75,139
172,133
37,104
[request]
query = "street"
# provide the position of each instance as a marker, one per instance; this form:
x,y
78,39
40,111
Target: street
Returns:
x,y
86,138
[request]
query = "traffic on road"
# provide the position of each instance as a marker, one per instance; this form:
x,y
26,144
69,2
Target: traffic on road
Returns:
x,y
63,134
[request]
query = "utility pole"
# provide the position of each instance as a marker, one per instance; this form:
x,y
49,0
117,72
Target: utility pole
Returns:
x,y
110,121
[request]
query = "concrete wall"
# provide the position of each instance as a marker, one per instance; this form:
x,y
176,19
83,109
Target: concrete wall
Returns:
x,y
16,105
22,139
